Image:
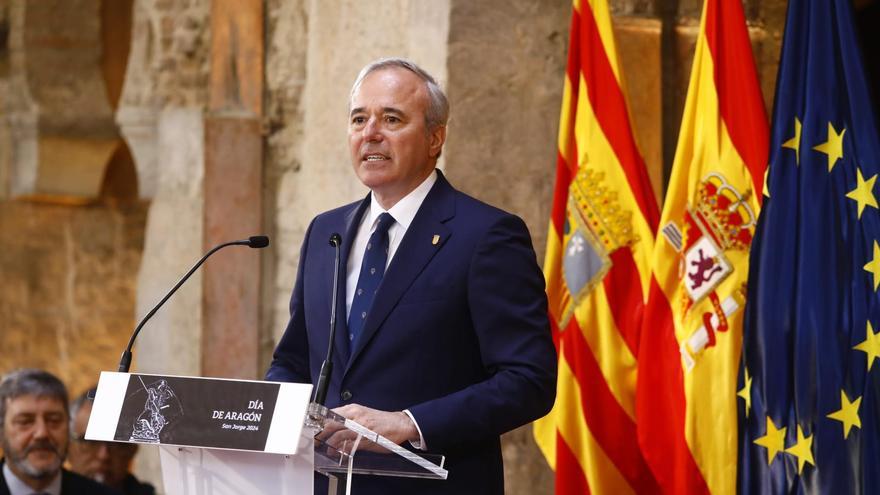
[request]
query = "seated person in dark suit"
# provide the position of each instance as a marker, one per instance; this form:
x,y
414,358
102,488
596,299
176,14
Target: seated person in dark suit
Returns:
x,y
105,462
34,436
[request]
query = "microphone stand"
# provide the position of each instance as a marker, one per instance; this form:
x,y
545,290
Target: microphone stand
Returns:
x,y
252,242
317,410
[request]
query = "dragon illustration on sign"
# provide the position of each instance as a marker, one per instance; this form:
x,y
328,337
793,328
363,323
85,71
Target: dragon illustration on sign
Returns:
x,y
161,400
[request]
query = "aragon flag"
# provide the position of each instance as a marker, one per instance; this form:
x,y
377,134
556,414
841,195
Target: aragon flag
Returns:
x,y
597,269
691,341
809,385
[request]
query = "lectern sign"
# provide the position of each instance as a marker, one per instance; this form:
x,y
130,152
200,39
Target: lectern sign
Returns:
x,y
194,411
198,412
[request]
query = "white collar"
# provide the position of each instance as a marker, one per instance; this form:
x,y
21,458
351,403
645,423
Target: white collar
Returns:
x,y
404,210
18,486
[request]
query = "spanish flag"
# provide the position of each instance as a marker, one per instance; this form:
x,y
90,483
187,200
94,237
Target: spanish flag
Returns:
x,y
597,269
692,336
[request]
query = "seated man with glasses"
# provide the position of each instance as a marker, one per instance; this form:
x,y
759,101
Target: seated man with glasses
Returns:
x,y
106,462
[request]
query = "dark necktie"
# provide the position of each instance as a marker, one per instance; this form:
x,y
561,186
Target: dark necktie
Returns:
x,y
372,271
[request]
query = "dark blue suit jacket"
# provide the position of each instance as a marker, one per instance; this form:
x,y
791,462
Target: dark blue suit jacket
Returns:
x,y
71,484
458,334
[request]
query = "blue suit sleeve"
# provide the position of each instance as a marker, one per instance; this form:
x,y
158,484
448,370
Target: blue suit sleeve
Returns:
x,y
290,362
508,308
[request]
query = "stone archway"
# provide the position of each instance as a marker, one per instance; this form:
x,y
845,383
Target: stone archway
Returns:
x,y
62,78
70,226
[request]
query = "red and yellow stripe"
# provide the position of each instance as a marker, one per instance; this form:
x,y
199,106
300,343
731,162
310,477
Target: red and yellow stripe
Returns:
x,y
590,437
688,418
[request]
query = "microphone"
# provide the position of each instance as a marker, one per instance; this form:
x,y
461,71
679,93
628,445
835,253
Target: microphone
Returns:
x,y
327,366
256,242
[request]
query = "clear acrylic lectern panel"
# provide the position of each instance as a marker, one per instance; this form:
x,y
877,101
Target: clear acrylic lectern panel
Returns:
x,y
365,452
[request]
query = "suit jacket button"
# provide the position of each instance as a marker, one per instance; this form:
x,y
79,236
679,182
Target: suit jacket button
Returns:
x,y
345,395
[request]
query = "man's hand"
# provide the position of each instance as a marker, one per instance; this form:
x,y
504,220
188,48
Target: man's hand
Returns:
x,y
395,426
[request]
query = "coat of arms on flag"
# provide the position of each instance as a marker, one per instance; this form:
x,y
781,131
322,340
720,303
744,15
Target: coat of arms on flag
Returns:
x,y
718,221
595,227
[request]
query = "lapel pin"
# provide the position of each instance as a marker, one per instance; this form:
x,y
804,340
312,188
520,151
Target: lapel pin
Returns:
x,y
435,240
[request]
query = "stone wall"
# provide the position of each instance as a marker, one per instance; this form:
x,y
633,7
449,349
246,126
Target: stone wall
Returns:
x,y
67,297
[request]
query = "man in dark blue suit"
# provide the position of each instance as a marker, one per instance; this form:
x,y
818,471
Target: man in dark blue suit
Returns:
x,y
447,342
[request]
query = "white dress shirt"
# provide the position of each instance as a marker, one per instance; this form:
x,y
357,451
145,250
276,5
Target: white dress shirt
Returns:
x,y
403,212
19,487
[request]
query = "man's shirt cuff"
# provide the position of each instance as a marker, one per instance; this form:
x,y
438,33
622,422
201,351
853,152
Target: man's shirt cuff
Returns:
x,y
421,443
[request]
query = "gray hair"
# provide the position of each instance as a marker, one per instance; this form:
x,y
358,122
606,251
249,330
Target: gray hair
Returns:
x,y
78,404
30,382
438,105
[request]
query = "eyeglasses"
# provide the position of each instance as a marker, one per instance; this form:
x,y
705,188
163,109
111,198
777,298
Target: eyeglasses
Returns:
x,y
113,448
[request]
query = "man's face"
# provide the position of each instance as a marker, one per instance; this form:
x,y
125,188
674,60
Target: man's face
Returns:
x,y
106,462
392,150
35,436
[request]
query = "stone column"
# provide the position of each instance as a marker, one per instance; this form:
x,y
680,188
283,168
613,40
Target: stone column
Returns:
x,y
170,342
162,112
138,108
233,190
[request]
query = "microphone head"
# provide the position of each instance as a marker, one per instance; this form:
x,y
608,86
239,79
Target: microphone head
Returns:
x,y
335,239
258,241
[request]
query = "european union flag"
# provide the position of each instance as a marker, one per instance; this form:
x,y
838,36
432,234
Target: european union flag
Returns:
x,y
809,382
